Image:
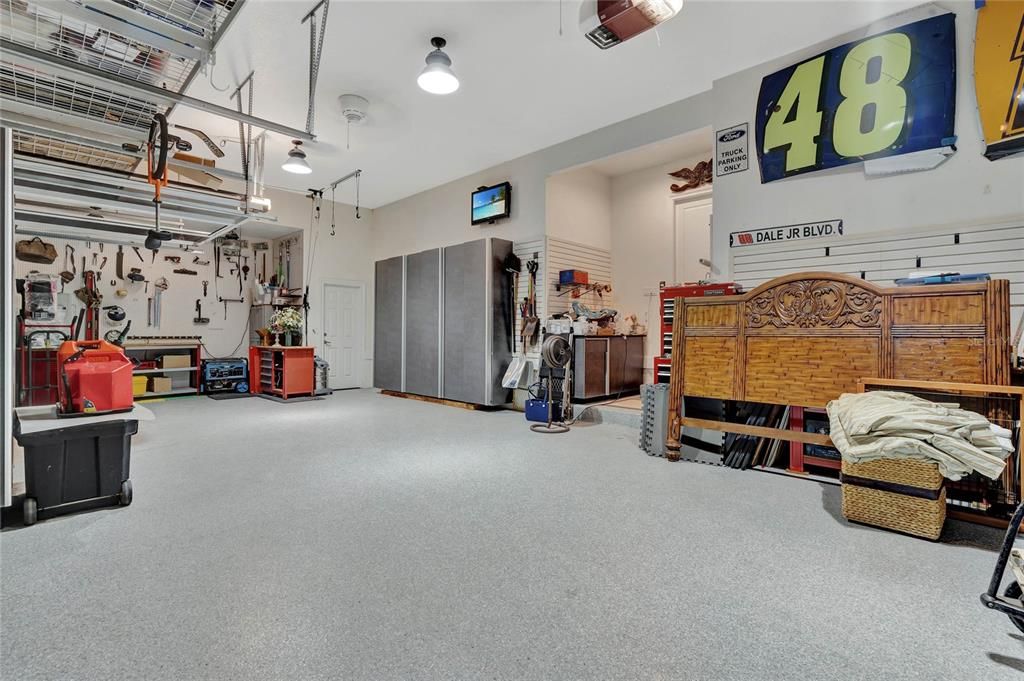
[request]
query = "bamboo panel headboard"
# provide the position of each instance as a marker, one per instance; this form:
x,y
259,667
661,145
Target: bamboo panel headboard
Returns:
x,y
803,339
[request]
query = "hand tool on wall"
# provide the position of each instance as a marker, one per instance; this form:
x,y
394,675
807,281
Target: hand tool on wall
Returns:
x,y
136,275
197,261
183,270
95,256
216,256
205,284
176,259
104,262
70,270
229,300
199,318
157,304
138,253
149,312
531,322
101,246
119,261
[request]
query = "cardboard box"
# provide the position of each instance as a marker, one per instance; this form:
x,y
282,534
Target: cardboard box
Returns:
x,y
159,384
175,361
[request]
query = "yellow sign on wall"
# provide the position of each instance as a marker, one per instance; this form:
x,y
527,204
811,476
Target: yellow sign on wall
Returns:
x,y
999,76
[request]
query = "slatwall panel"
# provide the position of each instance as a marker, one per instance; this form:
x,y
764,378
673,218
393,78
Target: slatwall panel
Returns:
x,y
995,249
529,250
568,255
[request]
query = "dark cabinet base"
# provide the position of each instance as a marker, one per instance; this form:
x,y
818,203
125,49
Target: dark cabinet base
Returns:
x,y
607,366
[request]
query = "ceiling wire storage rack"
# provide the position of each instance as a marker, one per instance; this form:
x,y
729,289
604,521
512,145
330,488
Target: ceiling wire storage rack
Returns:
x,y
159,43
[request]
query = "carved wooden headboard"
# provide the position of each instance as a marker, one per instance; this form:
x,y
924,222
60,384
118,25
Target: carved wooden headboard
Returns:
x,y
805,338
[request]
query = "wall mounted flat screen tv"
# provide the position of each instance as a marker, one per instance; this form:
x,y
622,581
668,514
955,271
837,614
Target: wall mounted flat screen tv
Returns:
x,y
492,203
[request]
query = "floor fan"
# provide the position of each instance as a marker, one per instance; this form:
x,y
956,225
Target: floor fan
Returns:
x,y
555,354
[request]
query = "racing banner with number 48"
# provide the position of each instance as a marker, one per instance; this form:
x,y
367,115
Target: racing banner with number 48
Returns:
x,y
888,94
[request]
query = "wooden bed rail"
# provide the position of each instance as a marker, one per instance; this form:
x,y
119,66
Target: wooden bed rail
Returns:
x,y
759,431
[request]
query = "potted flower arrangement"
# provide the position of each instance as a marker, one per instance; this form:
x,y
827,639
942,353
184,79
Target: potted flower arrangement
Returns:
x,y
288,321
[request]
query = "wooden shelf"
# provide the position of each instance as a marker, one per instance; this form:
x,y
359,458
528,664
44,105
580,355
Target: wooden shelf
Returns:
x,y
822,462
160,371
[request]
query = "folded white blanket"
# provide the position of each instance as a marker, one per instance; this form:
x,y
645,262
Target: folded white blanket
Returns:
x,y
876,425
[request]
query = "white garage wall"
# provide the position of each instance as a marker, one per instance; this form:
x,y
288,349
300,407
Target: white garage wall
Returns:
x,y
440,216
643,243
578,207
966,189
345,257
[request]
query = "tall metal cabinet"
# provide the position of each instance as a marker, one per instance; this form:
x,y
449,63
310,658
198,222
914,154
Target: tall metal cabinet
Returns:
x,y
388,322
446,327
423,298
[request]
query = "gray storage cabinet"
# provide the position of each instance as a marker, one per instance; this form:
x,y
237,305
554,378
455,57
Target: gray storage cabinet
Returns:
x,y
387,323
423,323
452,336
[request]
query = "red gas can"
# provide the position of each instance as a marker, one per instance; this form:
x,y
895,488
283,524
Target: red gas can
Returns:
x,y
95,376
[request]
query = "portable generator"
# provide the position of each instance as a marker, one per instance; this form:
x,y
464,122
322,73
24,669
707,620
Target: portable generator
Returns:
x,y
95,378
226,375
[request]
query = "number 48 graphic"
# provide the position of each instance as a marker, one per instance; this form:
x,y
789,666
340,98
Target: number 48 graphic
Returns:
x,y
870,116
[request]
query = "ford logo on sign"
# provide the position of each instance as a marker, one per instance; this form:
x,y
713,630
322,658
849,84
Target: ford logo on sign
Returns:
x,y
731,136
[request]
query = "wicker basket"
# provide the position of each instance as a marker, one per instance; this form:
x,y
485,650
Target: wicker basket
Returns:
x,y
898,494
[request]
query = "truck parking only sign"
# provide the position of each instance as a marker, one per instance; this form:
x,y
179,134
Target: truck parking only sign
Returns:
x,y
731,150
771,235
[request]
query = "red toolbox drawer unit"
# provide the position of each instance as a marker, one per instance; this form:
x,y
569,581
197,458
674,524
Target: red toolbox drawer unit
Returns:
x,y
667,303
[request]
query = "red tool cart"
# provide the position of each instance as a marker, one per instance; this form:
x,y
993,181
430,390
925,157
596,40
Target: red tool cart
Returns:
x,y
281,371
666,307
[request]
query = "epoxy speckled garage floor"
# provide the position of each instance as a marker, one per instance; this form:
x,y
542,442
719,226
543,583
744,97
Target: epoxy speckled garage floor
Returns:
x,y
368,537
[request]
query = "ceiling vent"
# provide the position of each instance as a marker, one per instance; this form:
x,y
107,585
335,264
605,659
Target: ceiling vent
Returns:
x,y
606,23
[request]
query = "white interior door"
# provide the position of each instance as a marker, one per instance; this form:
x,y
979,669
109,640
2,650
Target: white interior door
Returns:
x,y
344,320
693,239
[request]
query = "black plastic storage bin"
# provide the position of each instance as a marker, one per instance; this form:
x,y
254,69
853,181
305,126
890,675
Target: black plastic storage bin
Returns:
x,y
78,467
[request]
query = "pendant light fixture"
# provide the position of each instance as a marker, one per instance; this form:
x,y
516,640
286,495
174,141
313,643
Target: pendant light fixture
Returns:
x,y
296,162
437,77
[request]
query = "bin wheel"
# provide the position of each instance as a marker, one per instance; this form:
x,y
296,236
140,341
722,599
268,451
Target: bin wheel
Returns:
x,y
126,493
1014,591
29,511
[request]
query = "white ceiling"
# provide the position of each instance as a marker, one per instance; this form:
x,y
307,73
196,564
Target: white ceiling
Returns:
x,y
524,87
678,148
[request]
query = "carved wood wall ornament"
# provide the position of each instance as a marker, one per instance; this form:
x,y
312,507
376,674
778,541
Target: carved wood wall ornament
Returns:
x,y
693,177
814,303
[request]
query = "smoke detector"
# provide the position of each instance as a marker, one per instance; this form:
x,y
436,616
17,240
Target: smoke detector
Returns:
x,y
353,110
